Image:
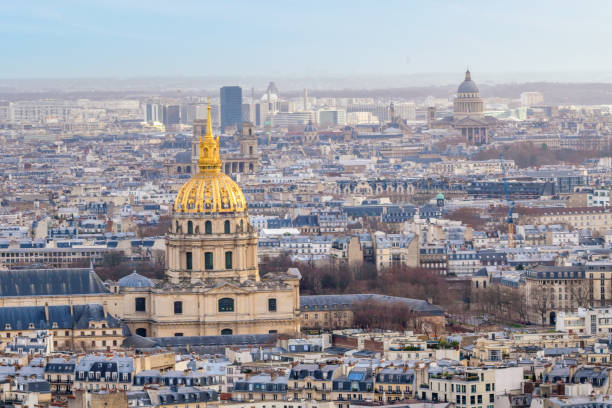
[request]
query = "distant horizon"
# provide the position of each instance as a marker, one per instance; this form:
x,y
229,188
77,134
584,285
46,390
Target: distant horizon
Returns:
x,y
291,83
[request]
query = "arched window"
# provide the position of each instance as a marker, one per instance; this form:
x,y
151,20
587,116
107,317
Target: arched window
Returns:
x,y
179,170
141,332
226,227
208,228
190,227
226,332
226,305
228,260
208,260
188,169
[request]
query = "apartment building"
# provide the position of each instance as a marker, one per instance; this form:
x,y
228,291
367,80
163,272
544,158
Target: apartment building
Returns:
x,y
595,322
471,388
594,218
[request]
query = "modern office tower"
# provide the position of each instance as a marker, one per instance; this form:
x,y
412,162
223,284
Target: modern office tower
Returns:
x,y
155,112
405,110
332,117
379,110
531,98
261,114
173,115
231,107
287,119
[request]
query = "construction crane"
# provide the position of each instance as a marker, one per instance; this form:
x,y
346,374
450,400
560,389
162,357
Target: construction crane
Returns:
x,y
509,203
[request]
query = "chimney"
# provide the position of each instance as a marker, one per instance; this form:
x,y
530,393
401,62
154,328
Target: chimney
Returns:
x,y
572,371
46,312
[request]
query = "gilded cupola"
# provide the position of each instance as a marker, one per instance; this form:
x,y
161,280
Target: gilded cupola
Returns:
x,y
210,190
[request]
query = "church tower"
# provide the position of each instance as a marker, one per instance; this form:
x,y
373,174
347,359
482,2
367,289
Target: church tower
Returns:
x,y
248,140
210,237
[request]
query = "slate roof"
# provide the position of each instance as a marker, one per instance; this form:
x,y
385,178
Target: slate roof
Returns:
x,y
96,363
135,280
33,385
331,302
20,317
50,282
182,341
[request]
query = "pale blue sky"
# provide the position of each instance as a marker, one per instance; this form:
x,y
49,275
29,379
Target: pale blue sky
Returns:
x,y
123,38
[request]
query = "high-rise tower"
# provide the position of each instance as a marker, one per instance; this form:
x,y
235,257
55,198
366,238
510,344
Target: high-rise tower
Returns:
x,y
231,107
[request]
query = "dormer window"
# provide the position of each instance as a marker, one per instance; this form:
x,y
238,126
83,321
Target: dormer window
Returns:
x,y
54,325
31,326
7,326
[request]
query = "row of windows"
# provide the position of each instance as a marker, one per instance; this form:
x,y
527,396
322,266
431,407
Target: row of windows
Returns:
x,y
208,260
208,230
224,305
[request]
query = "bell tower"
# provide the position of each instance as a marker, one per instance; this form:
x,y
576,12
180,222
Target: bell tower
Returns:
x,y
248,140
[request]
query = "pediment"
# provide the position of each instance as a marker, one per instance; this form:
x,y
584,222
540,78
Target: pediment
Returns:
x,y
470,122
226,288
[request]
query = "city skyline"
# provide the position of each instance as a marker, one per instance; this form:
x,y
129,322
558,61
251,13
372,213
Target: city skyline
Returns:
x,y
128,39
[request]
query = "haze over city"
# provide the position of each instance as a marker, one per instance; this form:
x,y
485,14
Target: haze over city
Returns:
x,y
317,204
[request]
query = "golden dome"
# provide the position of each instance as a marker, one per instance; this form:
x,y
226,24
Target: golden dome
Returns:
x,y
210,191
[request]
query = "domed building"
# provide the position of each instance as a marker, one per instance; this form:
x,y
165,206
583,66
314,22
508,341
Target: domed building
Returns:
x,y
212,284
468,103
468,113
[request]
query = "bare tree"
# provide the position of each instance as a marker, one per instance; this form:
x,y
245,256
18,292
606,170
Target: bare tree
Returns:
x,y
541,304
580,293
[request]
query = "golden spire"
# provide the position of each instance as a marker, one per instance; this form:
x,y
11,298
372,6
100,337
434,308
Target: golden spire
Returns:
x,y
210,159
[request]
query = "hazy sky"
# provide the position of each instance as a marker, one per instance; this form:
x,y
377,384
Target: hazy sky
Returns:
x,y
91,38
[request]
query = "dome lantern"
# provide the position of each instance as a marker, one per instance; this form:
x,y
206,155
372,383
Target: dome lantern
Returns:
x,y
210,190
